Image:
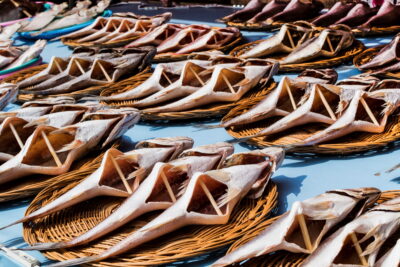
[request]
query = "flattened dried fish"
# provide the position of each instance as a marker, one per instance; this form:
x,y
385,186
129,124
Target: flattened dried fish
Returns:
x,y
32,52
336,12
159,191
298,10
315,216
358,15
250,10
273,7
134,165
8,94
210,198
44,18
358,242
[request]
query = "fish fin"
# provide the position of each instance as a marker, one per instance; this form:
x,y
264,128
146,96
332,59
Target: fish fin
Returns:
x,y
73,145
75,262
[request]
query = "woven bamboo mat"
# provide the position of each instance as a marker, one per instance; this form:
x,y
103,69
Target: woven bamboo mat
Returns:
x,y
284,258
187,242
318,63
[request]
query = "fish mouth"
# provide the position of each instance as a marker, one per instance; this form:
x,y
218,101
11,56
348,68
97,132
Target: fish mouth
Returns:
x,y
171,183
200,201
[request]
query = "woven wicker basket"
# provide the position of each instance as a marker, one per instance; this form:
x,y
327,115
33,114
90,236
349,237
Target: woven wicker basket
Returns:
x,y
109,44
352,143
285,259
93,90
171,57
187,242
31,185
319,63
254,26
367,55
209,111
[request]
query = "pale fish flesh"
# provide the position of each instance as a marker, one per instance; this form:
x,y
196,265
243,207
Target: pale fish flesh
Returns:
x,y
321,214
68,144
367,112
225,186
329,43
152,194
286,40
391,258
135,165
7,32
32,52
44,18
227,84
369,230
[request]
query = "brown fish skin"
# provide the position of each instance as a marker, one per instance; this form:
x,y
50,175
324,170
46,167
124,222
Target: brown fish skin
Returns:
x,y
250,10
146,198
298,10
388,15
105,180
270,9
336,12
359,14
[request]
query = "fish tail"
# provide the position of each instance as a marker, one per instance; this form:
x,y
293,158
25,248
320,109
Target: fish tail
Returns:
x,y
74,262
45,246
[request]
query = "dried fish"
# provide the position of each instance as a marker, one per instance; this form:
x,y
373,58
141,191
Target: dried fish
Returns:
x,y
302,229
159,191
358,15
209,198
298,10
335,13
44,18
273,7
250,10
32,52
8,94
117,169
387,16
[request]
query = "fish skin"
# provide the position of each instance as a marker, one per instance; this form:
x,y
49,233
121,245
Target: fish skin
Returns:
x,y
25,112
270,9
333,207
206,94
142,158
348,123
32,52
238,181
379,223
138,203
8,94
104,31
177,41
151,38
250,10
44,18
298,10
50,101
387,56
275,44
8,31
358,15
314,47
391,258
336,12
202,43
92,28
84,4
387,16
10,54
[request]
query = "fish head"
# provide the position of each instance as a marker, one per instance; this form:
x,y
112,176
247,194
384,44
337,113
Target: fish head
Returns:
x,y
221,149
179,144
50,101
123,119
8,93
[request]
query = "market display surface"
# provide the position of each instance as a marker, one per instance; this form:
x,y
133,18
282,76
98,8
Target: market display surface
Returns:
x,y
179,177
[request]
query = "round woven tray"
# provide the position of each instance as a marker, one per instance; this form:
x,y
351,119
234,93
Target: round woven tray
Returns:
x,y
319,63
31,185
186,242
120,43
285,259
93,90
254,26
208,111
367,55
352,143
171,57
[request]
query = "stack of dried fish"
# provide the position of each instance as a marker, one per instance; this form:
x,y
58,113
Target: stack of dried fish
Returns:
x,y
260,12
200,187
18,9
86,67
300,42
185,39
58,17
359,104
337,228
117,30
361,14
43,148
386,59
15,56
197,82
